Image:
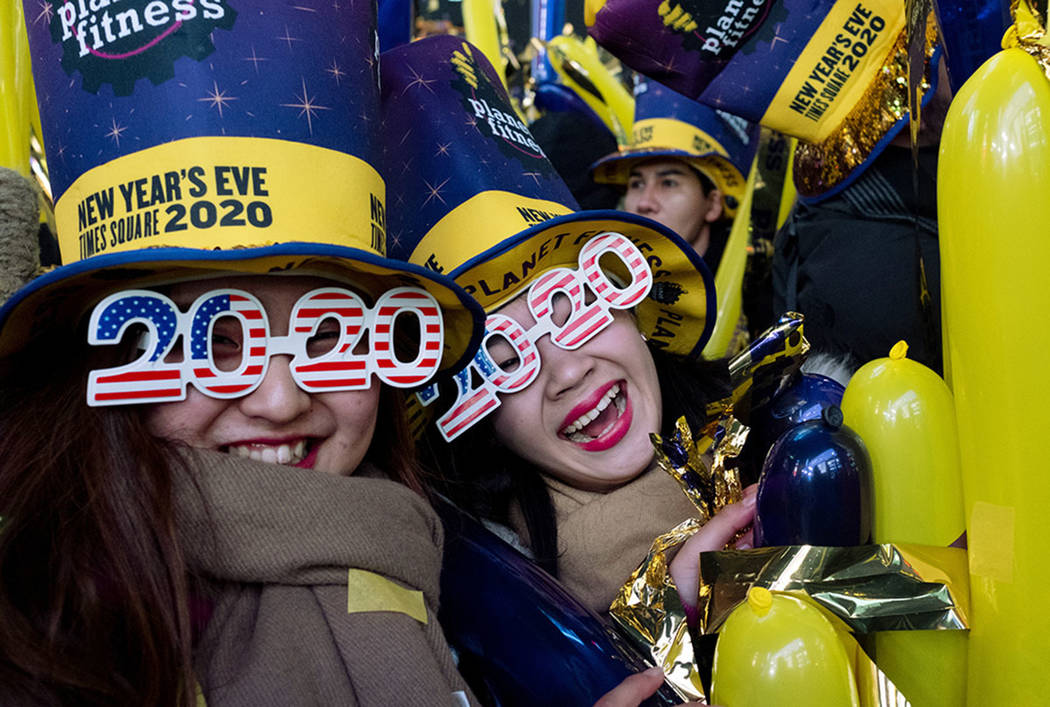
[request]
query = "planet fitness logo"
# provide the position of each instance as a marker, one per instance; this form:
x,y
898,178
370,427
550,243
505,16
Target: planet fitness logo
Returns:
x,y
120,41
715,29
491,114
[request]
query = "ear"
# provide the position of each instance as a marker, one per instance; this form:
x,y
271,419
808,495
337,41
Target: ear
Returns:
x,y
714,208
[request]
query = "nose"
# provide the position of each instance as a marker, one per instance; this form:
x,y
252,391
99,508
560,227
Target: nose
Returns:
x,y
277,399
647,201
564,370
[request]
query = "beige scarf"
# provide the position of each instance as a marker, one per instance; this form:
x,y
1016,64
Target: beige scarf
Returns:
x,y
278,544
603,537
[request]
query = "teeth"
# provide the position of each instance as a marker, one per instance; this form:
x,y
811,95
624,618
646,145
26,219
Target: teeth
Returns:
x,y
280,454
572,431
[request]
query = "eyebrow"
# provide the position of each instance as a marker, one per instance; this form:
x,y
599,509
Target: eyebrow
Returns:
x,y
662,173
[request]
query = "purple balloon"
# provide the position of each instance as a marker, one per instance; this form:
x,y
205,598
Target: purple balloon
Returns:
x,y
803,400
815,487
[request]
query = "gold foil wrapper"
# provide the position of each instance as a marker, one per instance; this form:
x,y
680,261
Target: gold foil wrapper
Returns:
x,y
709,487
869,587
864,588
1028,31
767,367
648,611
822,166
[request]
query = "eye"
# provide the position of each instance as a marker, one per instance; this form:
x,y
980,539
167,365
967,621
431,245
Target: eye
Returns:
x,y
634,184
503,354
324,340
669,182
226,339
561,309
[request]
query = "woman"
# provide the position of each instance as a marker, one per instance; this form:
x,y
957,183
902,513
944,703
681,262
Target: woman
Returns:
x,y
594,320
147,549
204,481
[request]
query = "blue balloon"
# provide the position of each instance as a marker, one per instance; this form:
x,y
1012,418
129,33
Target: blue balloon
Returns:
x,y
971,31
815,487
521,637
804,399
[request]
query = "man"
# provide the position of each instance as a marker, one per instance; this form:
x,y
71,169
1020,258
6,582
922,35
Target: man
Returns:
x,y
684,167
679,196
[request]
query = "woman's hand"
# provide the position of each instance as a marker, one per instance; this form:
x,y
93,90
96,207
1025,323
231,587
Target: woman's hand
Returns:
x,y
635,690
685,567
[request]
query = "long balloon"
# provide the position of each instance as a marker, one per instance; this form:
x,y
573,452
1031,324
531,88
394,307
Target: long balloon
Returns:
x,y
730,277
993,181
905,414
16,95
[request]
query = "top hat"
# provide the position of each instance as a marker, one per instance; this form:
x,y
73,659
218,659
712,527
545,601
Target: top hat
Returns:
x,y
833,73
473,195
186,140
717,144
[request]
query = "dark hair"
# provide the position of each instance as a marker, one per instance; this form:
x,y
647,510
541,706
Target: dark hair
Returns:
x,y
95,592
476,472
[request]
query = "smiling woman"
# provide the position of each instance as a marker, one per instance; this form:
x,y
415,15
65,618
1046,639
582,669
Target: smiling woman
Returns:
x,y
208,493
588,351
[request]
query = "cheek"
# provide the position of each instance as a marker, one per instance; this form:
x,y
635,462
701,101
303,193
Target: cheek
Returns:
x,y
185,421
356,411
517,419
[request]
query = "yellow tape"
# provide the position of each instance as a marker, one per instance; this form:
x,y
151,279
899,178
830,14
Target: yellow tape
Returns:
x,y
367,591
990,540
222,192
667,132
478,224
835,68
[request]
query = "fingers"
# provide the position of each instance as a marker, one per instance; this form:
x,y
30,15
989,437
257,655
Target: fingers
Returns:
x,y
724,525
634,690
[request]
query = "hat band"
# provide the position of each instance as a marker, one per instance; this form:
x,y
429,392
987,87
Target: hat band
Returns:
x,y
222,193
835,68
479,223
668,132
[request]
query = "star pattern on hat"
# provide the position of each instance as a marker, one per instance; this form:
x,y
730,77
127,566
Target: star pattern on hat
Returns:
x,y
468,139
335,72
216,98
418,80
255,59
115,131
287,38
242,89
435,192
307,107
47,11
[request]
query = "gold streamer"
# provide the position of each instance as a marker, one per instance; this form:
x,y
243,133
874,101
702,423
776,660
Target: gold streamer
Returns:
x,y
869,587
821,166
1028,32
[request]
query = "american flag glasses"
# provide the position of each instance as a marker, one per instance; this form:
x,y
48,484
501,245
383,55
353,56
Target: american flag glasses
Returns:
x,y
226,343
586,319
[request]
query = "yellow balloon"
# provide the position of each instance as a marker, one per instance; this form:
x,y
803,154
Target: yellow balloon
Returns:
x,y
905,414
993,182
788,195
482,20
16,93
730,277
776,649
574,58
